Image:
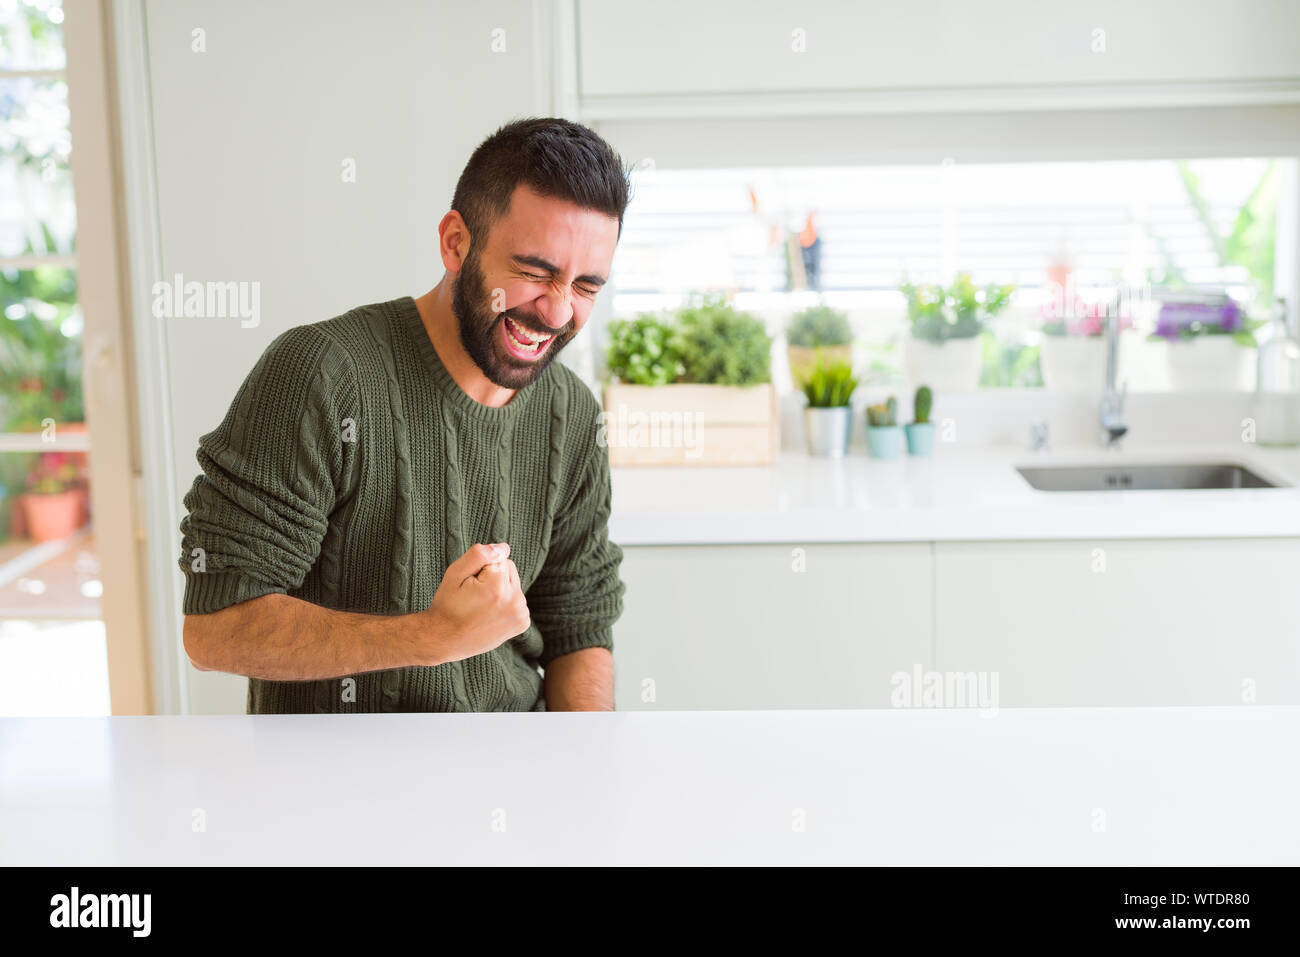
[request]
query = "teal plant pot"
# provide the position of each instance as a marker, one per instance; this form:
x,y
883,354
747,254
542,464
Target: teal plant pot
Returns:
x,y
920,438
885,442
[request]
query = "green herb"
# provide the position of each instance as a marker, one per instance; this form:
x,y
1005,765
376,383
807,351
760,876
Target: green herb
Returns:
x,y
721,346
960,311
818,326
829,385
644,351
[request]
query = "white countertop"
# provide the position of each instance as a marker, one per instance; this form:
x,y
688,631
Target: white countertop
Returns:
x,y
1161,786
959,494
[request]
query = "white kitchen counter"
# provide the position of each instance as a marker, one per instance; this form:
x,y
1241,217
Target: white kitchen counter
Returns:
x,y
960,494
1195,786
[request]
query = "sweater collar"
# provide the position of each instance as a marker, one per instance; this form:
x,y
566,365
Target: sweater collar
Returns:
x,y
409,313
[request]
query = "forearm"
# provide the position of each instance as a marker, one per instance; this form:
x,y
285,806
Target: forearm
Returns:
x,y
280,638
580,681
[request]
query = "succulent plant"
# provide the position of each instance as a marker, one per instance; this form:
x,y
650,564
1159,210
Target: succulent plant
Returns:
x,y
883,415
921,405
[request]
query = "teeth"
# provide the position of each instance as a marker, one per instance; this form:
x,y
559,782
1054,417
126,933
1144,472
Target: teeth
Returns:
x,y
523,333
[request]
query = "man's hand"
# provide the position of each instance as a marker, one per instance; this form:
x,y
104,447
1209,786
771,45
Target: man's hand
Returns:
x,y
479,604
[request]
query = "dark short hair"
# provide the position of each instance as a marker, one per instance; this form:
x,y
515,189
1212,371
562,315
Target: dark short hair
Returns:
x,y
554,157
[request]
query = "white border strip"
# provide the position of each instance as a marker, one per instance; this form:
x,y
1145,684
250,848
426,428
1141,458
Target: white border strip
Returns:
x,y
157,488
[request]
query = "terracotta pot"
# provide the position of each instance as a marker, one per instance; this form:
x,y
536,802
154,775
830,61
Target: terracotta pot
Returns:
x,y
52,516
17,523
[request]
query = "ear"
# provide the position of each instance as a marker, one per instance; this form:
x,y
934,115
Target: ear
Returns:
x,y
453,241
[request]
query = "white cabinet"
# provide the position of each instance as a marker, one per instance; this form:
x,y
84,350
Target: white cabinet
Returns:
x,y
684,47
1060,624
1196,622
741,627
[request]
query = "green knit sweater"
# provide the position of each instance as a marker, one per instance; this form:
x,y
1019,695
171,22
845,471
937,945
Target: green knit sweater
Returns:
x,y
351,470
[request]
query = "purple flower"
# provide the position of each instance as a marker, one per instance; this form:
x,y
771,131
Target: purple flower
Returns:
x,y
1230,316
1201,316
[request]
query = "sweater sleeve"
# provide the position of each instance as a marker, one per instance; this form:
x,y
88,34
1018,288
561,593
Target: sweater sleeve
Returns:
x,y
578,595
271,474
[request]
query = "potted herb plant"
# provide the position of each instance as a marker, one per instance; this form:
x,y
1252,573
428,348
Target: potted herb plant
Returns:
x,y
920,432
945,324
817,331
644,351
884,435
691,389
828,417
1209,344
52,504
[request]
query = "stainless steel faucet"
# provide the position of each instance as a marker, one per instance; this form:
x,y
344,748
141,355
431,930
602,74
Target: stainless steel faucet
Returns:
x,y
1112,400
1038,435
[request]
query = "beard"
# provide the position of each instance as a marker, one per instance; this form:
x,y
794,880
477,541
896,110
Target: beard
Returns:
x,y
480,331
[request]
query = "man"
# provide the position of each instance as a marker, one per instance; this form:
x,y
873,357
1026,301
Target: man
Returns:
x,y
406,506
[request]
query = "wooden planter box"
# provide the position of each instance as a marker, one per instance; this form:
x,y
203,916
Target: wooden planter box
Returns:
x,y
691,425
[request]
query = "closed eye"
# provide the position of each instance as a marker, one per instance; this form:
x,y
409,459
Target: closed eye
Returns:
x,y
585,290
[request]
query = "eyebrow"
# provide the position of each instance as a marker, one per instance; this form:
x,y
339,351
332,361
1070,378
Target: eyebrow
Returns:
x,y
537,262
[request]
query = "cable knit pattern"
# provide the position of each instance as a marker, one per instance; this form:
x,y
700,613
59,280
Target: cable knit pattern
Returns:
x,y
350,470
403,521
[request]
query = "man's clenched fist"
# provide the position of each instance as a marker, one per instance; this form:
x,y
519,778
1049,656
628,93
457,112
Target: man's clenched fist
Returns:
x,y
478,605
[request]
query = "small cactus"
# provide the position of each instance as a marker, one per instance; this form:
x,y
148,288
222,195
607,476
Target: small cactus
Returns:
x,y
924,399
883,415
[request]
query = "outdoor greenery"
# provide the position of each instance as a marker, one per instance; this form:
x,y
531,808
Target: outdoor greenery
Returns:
x,y
1009,364
1250,241
40,366
40,324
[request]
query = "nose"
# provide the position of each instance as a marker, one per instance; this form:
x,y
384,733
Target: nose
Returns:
x,y
555,308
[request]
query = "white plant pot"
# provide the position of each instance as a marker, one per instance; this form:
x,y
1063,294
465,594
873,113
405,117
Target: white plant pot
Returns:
x,y
1073,363
1210,364
951,366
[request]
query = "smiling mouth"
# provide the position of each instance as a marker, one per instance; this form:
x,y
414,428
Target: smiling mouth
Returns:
x,y
523,343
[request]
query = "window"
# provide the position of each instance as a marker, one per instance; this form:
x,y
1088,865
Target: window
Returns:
x,y
50,615
780,239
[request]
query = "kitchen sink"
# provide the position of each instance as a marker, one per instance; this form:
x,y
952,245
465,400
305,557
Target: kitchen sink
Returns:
x,y
1113,478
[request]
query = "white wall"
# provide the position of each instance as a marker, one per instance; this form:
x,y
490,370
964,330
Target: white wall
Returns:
x,y
250,137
